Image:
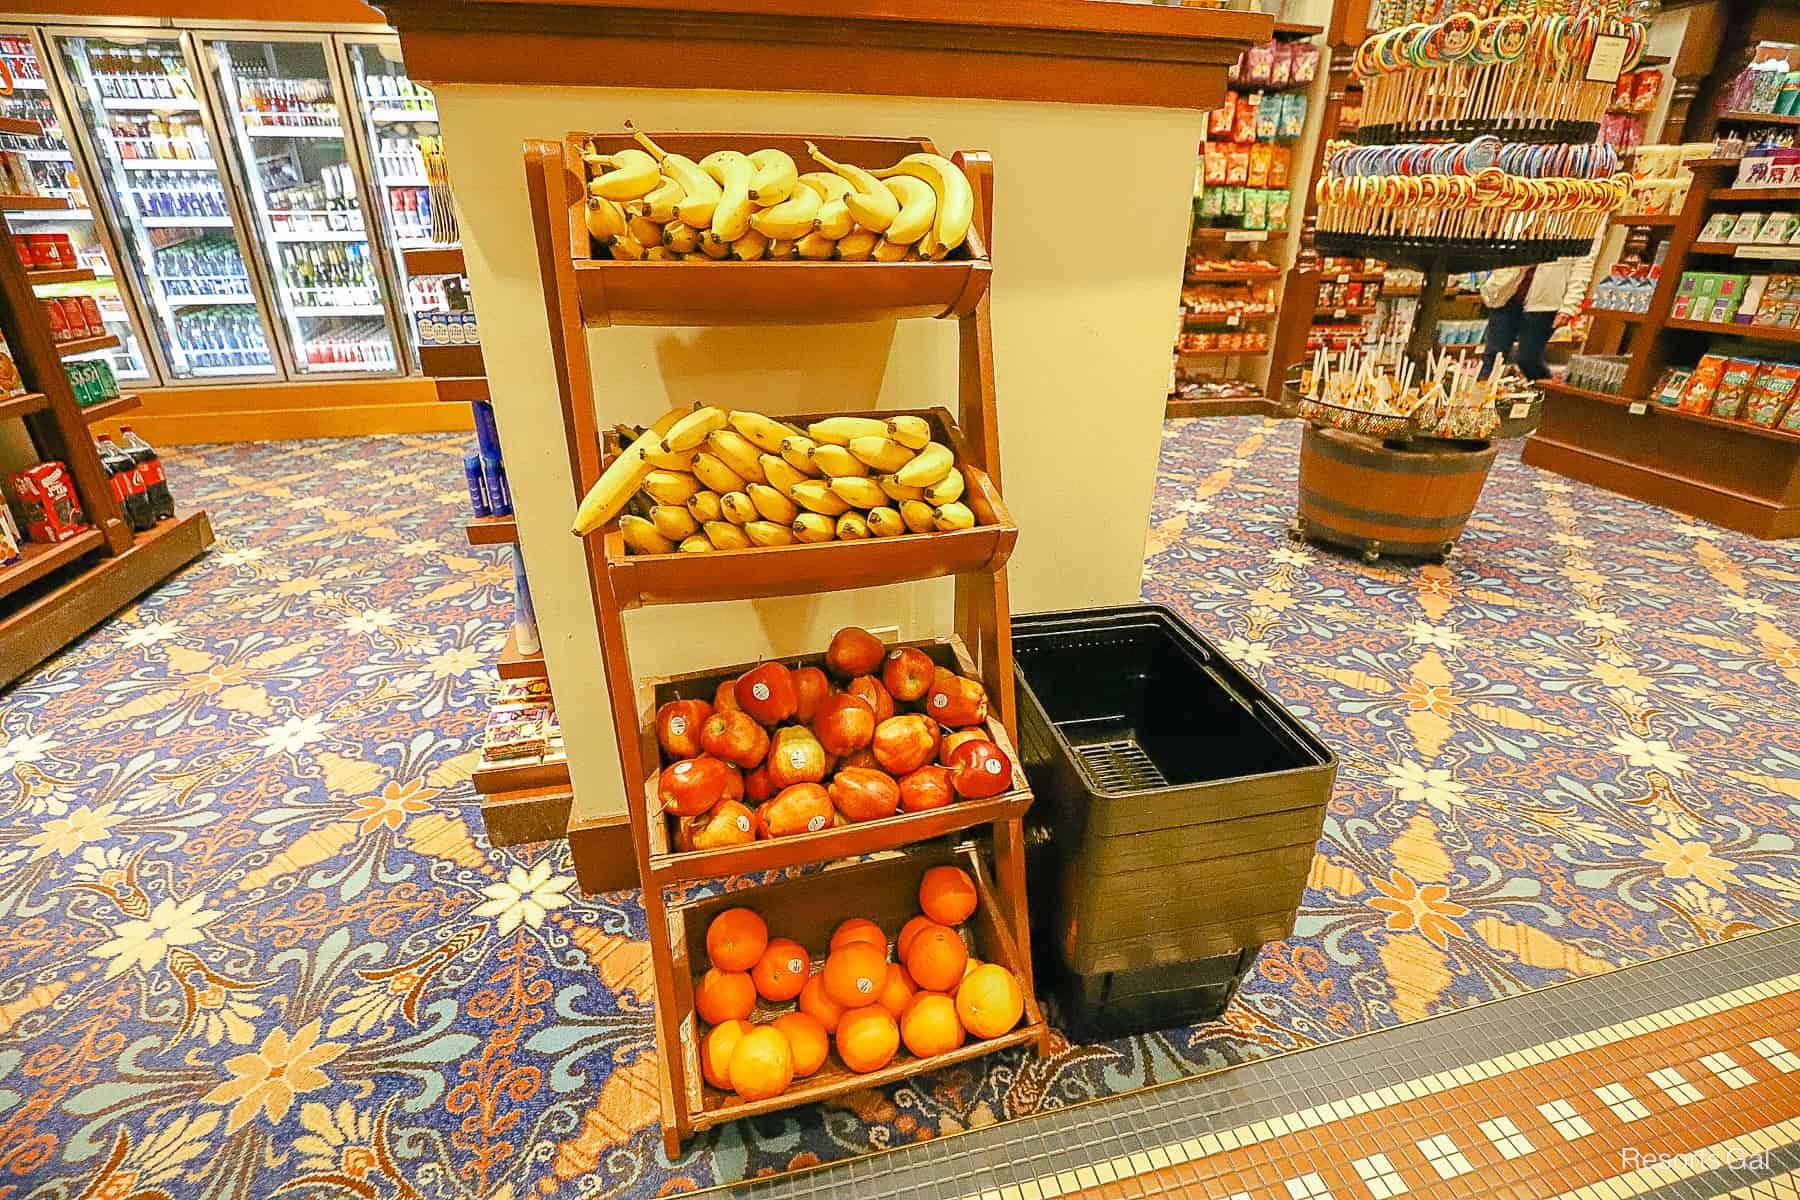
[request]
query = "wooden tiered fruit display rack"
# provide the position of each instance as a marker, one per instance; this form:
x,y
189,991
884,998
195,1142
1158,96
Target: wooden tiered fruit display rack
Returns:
x,y
582,291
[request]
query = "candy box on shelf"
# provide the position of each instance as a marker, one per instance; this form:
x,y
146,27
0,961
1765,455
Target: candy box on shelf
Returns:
x,y
47,495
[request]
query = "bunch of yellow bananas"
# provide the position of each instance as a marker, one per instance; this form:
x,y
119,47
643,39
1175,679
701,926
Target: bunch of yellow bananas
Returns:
x,y
716,479
650,205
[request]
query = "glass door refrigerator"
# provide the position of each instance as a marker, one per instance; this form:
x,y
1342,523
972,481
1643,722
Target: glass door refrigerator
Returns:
x,y
52,162
281,99
400,130
156,155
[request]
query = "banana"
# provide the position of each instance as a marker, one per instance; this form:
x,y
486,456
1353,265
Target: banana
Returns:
x,y
889,252
858,492
691,430
713,246
830,187
918,205
674,522
816,495
794,217
945,490
834,219
781,474
699,192
670,487
896,491
644,230
732,171
725,536
851,527
715,475
955,198
815,246
605,220
884,521
781,249
695,256
633,174
774,178
659,254
737,508
836,460
910,431
750,247
696,544
645,140
659,204
627,248
873,206
671,418
768,533
838,431
765,433
641,536
814,527
614,489
681,237
705,506
797,450
772,503
880,454
927,466
858,247
951,517
735,451
918,516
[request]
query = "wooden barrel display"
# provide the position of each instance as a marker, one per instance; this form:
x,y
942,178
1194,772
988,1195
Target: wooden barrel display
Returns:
x,y
1409,500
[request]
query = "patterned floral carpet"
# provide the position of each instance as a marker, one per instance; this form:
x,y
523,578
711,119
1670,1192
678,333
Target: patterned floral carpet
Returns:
x,y
254,942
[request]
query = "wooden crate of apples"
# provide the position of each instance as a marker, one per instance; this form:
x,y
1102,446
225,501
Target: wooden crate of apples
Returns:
x,y
780,751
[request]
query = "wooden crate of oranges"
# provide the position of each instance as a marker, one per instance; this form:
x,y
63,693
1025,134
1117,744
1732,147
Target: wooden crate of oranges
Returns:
x,y
788,1001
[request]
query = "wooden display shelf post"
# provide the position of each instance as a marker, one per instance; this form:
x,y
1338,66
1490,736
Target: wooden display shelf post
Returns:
x,y
580,292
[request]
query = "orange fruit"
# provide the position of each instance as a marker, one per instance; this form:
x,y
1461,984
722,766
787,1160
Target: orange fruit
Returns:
x,y
723,996
867,1038
969,967
816,1004
929,1025
782,970
736,939
989,1002
715,1051
908,932
859,929
897,992
854,974
947,895
762,1064
807,1039
937,958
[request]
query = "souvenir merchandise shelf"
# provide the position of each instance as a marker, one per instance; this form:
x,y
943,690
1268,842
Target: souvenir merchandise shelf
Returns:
x,y
581,292
1730,472
57,592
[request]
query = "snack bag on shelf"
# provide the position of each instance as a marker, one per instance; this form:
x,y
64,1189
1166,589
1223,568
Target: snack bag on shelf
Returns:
x,y
1231,201
1279,199
1669,389
1268,119
1256,208
1772,398
1259,63
1734,387
1237,165
47,495
1718,227
1292,121
1306,62
9,537
1217,163
1279,157
1697,396
1281,65
1223,119
1257,174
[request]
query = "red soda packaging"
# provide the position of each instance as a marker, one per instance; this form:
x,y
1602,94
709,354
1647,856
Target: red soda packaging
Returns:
x,y
128,485
64,249
23,244
143,454
47,494
59,328
90,315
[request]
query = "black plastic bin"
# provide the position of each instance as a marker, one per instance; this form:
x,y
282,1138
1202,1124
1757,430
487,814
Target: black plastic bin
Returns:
x,y
1179,807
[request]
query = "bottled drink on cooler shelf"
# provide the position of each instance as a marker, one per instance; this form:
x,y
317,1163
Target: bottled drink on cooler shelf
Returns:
x,y
156,487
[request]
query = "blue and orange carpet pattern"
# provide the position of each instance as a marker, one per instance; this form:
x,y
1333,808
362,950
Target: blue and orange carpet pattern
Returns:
x,y
253,942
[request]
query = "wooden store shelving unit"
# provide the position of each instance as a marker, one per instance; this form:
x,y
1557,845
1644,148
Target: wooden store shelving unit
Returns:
x,y
1742,476
582,292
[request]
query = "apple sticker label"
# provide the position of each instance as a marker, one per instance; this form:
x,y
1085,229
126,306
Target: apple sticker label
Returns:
x,y
795,966
816,824
796,758
938,701
683,768
677,725
992,767
760,690
743,823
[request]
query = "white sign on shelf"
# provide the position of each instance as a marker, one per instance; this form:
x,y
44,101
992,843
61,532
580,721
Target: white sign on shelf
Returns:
x,y
1638,408
1608,59
1520,411
1246,235
1790,253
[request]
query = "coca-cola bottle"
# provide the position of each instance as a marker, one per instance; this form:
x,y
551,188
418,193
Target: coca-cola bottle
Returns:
x,y
162,503
127,484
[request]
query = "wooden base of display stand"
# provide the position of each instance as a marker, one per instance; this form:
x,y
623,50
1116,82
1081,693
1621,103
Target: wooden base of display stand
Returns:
x,y
1427,490
1229,406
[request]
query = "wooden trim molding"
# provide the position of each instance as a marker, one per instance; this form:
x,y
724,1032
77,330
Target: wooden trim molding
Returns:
x,y
265,412
605,860
1071,51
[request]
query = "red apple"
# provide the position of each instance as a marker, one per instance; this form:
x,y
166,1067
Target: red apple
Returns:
x,y
861,758
758,786
730,824
853,652
810,687
907,673
939,674
957,701
693,785
735,737
802,808
684,831
868,689
725,697
767,693
734,787
904,744
980,769
953,740
795,757
844,723
863,795
678,727
926,788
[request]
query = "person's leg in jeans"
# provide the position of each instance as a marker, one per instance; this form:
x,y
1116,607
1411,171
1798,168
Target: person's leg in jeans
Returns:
x,y
1502,328
1534,333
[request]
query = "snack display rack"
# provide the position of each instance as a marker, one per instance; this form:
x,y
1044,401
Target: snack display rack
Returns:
x,y
1730,471
583,292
